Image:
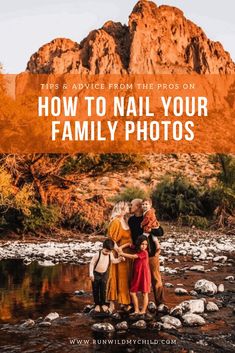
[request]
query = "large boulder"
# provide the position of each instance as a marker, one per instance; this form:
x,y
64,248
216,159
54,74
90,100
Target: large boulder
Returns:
x,y
170,320
193,320
140,324
52,316
27,324
204,286
103,327
197,268
195,306
211,307
163,308
122,326
181,291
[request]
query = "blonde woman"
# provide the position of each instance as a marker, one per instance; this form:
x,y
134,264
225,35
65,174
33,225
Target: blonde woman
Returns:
x,y
119,275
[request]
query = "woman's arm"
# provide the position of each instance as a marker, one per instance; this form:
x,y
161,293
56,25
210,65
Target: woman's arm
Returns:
x,y
124,246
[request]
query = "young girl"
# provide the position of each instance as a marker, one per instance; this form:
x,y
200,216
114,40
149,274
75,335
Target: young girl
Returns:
x,y
141,277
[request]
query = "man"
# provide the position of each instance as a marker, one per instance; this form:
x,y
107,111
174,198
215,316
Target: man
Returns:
x,y
135,227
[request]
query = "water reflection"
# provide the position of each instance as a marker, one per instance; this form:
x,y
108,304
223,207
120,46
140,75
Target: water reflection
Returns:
x,y
33,290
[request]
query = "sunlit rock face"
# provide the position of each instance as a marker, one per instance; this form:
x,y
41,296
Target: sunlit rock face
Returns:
x,y
156,40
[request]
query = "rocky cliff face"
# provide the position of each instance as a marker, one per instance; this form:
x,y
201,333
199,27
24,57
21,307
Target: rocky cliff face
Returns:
x,y
156,40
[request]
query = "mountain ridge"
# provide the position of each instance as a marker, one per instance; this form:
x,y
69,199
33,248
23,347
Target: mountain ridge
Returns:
x,y
157,40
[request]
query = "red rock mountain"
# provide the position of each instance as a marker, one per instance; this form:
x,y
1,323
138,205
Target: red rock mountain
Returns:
x,y
156,40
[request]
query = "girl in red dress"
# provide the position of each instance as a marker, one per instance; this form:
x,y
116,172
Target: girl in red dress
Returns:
x,y
141,278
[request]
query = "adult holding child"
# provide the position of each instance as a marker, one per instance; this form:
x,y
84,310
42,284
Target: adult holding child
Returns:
x,y
119,275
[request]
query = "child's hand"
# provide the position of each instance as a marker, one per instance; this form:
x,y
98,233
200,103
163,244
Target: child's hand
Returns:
x,y
92,278
123,258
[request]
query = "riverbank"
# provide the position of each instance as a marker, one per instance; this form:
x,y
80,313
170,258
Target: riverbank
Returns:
x,y
187,256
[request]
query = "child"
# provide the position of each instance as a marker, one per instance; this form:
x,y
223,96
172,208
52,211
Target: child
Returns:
x,y
141,277
98,271
150,225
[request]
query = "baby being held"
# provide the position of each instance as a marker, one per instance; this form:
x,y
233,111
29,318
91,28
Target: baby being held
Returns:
x,y
150,223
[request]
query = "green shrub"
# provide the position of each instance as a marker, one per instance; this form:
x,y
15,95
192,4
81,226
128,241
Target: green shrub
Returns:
x,y
197,221
41,217
174,197
82,223
227,169
101,163
219,204
15,203
129,194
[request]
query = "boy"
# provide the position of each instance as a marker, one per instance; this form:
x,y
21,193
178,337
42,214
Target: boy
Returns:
x,y
98,271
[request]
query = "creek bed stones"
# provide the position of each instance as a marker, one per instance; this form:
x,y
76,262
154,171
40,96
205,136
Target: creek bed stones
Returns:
x,y
204,286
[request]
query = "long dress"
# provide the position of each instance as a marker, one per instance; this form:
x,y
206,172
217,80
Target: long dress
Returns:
x,y
118,287
141,279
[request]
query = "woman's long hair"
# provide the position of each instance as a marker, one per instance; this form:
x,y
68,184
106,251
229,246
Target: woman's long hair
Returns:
x,y
121,208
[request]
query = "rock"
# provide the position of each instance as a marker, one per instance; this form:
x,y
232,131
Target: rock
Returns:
x,y
176,311
44,324
52,316
196,306
183,252
140,324
27,324
210,306
171,43
88,308
167,326
102,327
162,308
152,307
116,316
193,293
169,285
222,259
220,288
122,326
181,291
229,278
27,261
203,256
197,268
193,320
156,325
170,320
204,286
147,317
79,292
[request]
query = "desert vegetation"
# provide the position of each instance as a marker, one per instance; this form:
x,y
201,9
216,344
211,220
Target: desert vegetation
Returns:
x,y
39,193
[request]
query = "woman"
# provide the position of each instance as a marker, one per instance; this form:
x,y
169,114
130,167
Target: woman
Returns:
x,y
119,275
